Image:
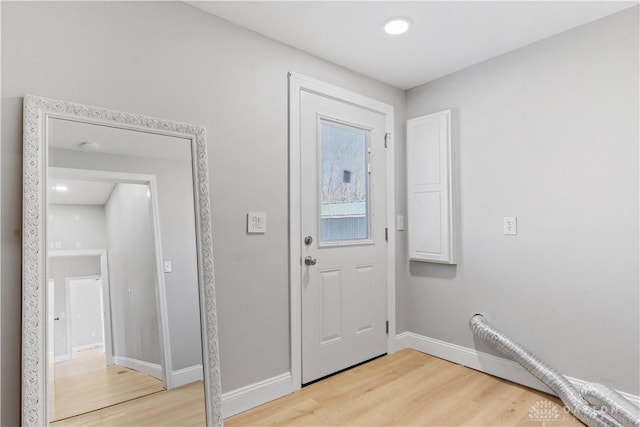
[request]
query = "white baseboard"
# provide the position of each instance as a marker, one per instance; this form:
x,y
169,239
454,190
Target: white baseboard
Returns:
x,y
62,357
151,369
187,375
630,397
244,398
493,365
484,362
87,346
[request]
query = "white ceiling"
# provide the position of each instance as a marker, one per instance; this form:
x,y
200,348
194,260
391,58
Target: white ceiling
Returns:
x,y
445,37
65,134
68,135
79,192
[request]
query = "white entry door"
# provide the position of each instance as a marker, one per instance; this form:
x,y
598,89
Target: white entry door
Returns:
x,y
343,247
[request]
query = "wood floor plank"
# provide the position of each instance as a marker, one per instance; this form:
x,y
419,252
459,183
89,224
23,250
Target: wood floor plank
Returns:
x,y
407,388
182,406
84,384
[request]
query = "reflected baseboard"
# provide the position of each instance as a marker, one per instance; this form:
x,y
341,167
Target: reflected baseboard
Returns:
x,y
87,347
187,375
62,357
151,369
180,377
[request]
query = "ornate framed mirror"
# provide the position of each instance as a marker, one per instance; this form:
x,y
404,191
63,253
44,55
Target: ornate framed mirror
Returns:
x,y
117,263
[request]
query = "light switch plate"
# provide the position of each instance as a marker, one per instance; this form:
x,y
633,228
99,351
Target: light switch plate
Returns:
x,y
400,223
256,222
167,267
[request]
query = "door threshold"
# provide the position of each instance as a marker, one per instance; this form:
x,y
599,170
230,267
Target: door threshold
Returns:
x,y
343,370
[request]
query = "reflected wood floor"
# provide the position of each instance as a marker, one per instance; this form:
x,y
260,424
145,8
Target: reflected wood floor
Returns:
x,y
182,406
84,384
410,388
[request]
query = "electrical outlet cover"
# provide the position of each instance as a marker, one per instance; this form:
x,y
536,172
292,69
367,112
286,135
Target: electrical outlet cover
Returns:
x,y
510,225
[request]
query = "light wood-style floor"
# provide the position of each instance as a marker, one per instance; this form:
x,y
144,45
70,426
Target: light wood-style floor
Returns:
x,y
183,406
84,384
410,388
407,388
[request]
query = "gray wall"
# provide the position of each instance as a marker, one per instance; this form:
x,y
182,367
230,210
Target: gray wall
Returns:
x,y
171,60
88,229
548,133
132,275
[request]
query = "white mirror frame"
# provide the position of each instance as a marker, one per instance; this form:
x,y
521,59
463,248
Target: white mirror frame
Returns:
x,y
37,112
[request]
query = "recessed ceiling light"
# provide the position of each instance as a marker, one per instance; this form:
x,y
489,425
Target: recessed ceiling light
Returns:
x,y
397,26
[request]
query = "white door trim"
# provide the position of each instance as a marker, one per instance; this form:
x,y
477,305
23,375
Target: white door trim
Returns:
x,y
161,295
297,84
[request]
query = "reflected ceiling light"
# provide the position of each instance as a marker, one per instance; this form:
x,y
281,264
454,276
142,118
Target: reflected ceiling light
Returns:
x,y
395,26
89,146
59,187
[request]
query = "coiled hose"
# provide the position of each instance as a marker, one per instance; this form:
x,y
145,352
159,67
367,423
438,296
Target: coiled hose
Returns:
x,y
613,403
569,395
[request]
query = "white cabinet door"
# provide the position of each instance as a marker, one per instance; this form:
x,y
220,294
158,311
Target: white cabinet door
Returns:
x,y
429,172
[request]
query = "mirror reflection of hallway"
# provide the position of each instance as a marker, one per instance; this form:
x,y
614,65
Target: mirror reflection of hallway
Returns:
x,y
118,226
129,204
95,366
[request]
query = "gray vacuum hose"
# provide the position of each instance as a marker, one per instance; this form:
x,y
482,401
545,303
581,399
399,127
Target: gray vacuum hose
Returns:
x,y
613,403
549,376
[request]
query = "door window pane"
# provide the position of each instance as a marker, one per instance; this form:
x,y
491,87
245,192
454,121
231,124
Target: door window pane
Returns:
x,y
344,183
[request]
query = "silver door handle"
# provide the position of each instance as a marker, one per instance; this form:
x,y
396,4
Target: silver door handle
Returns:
x,y
310,261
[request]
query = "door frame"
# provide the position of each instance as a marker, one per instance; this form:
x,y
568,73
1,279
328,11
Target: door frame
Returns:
x,y
51,353
297,84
